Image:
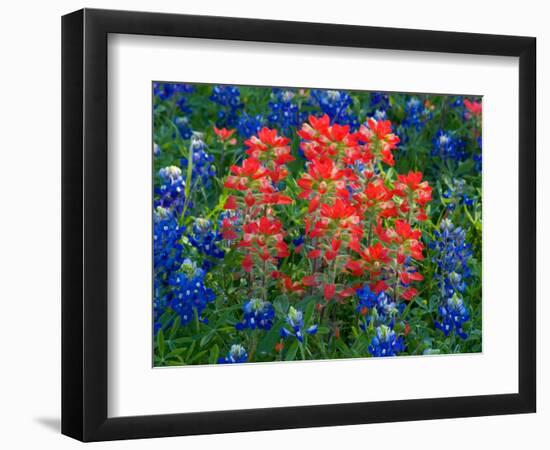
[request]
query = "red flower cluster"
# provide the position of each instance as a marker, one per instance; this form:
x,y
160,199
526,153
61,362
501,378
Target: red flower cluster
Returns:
x,y
360,219
263,238
254,183
224,135
473,108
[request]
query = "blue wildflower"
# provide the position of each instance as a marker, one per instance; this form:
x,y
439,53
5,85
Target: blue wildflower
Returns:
x,y
452,256
298,242
477,156
448,147
337,105
165,91
387,308
167,247
237,354
380,114
176,92
159,306
183,126
249,125
284,113
457,195
205,239
379,101
295,319
230,219
167,258
367,298
229,101
171,192
378,307
478,162
203,163
416,115
454,314
183,106
457,102
258,313
386,343
188,292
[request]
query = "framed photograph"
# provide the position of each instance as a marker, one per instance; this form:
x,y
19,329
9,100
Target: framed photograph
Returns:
x,y
274,225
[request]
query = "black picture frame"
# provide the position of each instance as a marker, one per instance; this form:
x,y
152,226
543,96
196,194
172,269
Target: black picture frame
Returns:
x,y
84,224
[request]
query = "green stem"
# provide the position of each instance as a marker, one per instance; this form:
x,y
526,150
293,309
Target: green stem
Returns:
x,y
188,179
253,344
469,215
197,321
302,350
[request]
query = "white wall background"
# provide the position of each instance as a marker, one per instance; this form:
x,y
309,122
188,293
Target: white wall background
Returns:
x,y
30,225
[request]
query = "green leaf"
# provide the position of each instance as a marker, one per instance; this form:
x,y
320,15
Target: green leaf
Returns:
x,y
308,313
174,363
160,343
175,352
197,357
281,305
343,348
302,305
214,354
206,339
189,172
291,353
190,351
182,340
432,351
267,343
174,328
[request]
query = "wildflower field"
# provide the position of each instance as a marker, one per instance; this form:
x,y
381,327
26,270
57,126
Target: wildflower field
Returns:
x,y
306,224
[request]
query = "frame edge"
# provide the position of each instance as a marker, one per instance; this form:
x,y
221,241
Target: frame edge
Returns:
x,y
84,245
527,292
72,324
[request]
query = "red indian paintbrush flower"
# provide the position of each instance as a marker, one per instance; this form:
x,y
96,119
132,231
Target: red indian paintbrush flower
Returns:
x,y
381,140
263,242
310,280
412,183
329,289
244,175
255,182
323,178
247,263
321,139
225,135
415,194
338,217
357,206
315,128
376,199
333,250
360,218
268,146
473,107
230,203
